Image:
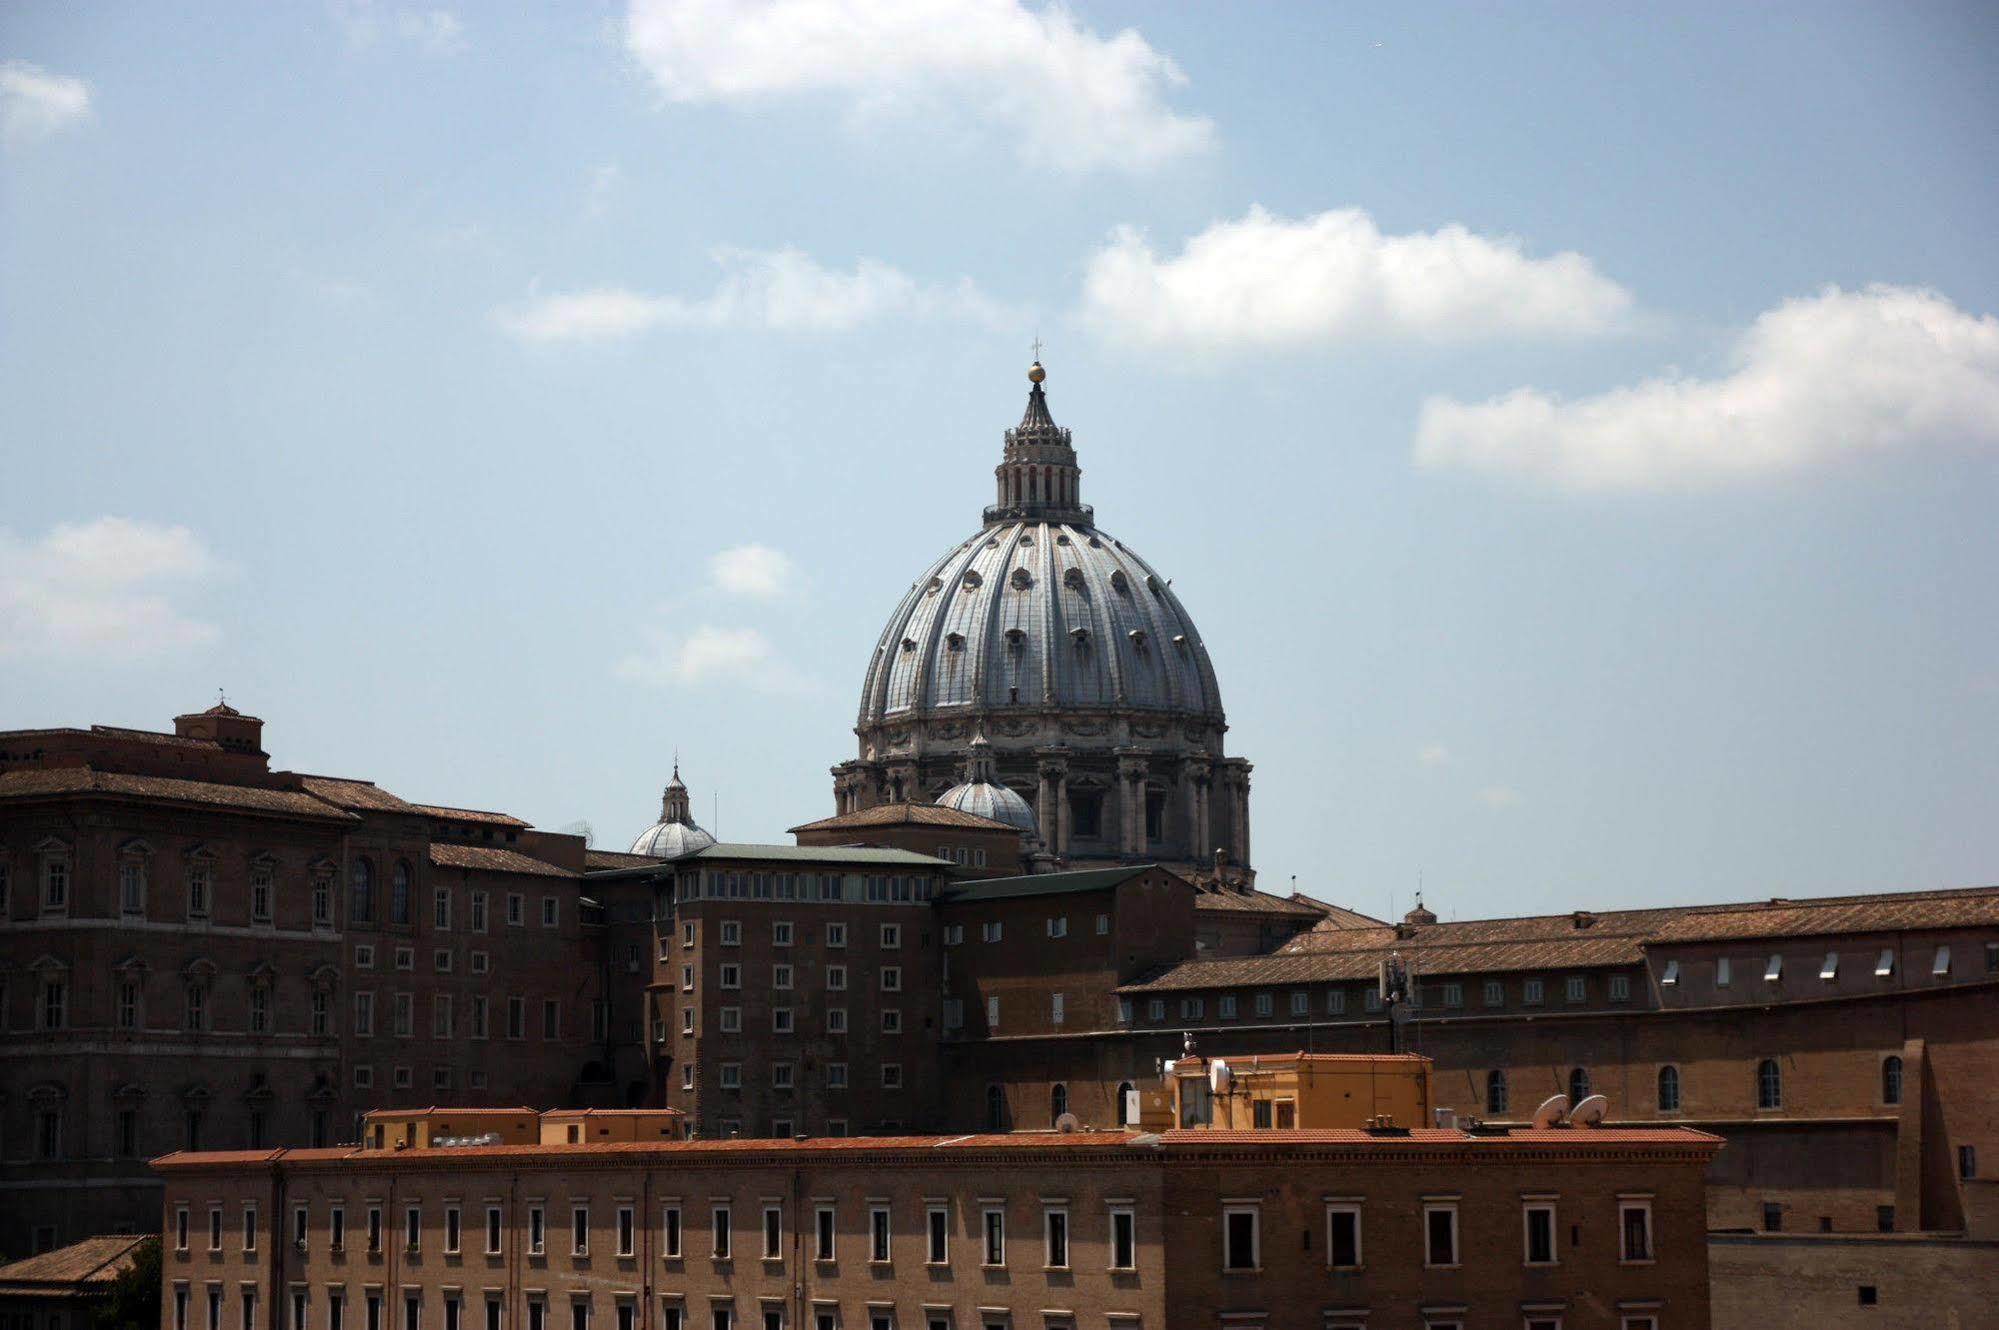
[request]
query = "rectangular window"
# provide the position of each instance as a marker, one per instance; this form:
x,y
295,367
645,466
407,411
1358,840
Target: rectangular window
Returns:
x,y
249,1228
1055,1230
773,1233
1531,992
720,1223
515,909
215,1229
1103,925
517,1018
993,1223
891,1075
1577,988
1440,1235
1124,1238
878,1234
537,1230
669,1233
374,1228
624,1230
991,931
1055,1008
732,976
493,1226
1773,969
551,1019
781,1020
836,1075
1301,1004
1343,1236
1829,967
891,936
1884,964
479,1016
730,1018
1940,965
891,979
1620,988
579,1230
336,1227
549,914
441,910
1724,972
992,1012
822,1233
937,1221
1671,976
452,1233
413,1228
780,976
1058,926
836,978
1634,1223
1539,1235
1225,1007
1967,1162
1241,1239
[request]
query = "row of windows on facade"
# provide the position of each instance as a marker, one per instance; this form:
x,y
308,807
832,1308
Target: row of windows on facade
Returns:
x,y
129,1140
1769,1086
198,885
783,933
729,975
1346,1235
1885,962
994,930
783,1020
879,889
1228,1006
729,1076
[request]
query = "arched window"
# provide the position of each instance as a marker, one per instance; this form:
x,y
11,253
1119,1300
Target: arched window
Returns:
x,y
1578,1085
1124,1103
995,1108
1669,1089
364,892
1891,1080
1495,1091
1058,1101
1769,1084
399,893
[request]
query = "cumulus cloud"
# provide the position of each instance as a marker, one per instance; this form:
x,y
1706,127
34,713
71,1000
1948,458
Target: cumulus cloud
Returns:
x,y
1837,374
35,103
102,591
706,654
777,290
1064,96
1274,283
756,571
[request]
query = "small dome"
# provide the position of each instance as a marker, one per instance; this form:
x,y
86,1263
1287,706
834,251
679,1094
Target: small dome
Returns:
x,y
671,840
985,799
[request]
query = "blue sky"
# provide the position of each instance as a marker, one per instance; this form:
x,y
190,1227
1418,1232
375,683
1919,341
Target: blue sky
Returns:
x,y
1574,431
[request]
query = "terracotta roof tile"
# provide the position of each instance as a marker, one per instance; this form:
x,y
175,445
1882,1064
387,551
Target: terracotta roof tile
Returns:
x,y
492,859
593,859
1255,902
446,813
905,814
62,781
361,796
1288,967
93,1260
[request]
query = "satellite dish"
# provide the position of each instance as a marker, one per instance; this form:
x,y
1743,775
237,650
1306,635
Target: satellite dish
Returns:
x,y
1166,1068
1067,1122
1552,1110
1219,1076
1590,1111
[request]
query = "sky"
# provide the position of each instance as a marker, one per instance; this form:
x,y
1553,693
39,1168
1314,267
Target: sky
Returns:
x,y
1574,428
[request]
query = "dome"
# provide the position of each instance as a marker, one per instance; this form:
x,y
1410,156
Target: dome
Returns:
x,y
674,834
983,796
1039,614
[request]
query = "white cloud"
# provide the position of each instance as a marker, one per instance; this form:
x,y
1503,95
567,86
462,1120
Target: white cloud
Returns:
x,y
706,654
1433,755
1499,796
779,290
35,103
1270,282
1065,97
102,591
757,571
1817,378
437,31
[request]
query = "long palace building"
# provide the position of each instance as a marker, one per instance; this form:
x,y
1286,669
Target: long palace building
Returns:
x,y
1036,881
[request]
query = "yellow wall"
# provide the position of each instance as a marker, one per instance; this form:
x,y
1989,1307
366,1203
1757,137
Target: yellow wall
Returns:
x,y
1302,1092
650,1126
418,1130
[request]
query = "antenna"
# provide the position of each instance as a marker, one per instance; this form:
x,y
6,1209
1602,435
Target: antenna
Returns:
x,y
1552,1111
1590,1111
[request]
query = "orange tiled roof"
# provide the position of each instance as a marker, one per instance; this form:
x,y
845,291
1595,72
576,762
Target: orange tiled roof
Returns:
x,y
905,814
1289,967
362,796
1255,902
62,781
613,1113
434,1111
617,859
445,812
92,1261
491,859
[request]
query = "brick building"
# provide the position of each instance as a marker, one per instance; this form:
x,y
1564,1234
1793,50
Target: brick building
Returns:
x,y
1570,1229
197,951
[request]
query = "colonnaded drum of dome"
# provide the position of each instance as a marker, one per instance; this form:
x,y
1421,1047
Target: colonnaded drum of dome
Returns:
x,y
1043,658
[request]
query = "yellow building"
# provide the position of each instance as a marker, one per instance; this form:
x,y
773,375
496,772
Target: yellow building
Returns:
x,y
421,1128
1283,1090
592,1126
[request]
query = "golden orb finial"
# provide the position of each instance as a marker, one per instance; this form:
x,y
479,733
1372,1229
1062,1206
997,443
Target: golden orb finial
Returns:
x,y
1035,373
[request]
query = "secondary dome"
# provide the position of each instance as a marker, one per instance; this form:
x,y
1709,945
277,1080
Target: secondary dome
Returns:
x,y
674,834
980,794
1039,608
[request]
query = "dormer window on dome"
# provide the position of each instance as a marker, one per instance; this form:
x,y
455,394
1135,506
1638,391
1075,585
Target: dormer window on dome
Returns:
x,y
1120,583
1021,579
1080,636
954,641
1073,579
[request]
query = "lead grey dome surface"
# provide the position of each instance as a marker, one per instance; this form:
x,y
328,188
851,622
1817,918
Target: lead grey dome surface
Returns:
x,y
670,840
1039,614
985,799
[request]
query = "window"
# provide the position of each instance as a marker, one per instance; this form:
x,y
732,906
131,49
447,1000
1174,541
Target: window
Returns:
x,y
1531,991
1576,988
1724,972
249,1228
132,885
1055,1231
991,931
719,1224
1454,995
1058,1102
1991,949
537,1230
878,1248
493,1217
731,1075
1265,1004
891,1075
1620,988
780,933
1336,1002
374,1228
1058,927
1669,1089
993,1224
200,881
1343,1236
336,1228
836,1020
1495,1091
891,935
1670,978
954,935
1440,1234
1225,1007
1578,1085
1773,1217
780,1020
517,1018
731,976
452,1233
1241,1240
441,1023
1773,969
1829,967
1884,964
551,1019
1539,1236
1940,966
1967,1162
836,978
440,910
1055,1008
1124,1238
822,1233
128,1005
836,935
477,912
1769,1084
1301,1004
1891,1079
550,912
891,979
1634,1223
516,909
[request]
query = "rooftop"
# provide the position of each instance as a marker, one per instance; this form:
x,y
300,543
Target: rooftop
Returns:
x,y
491,859
57,782
446,813
1046,884
93,1261
905,814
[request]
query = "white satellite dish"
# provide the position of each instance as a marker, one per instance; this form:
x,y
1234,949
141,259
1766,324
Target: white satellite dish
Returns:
x,y
1552,1110
1590,1111
1166,1069
1067,1122
1219,1076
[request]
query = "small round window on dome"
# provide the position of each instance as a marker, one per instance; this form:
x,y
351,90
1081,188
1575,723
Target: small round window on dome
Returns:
x,y
1137,636
1062,540
1080,636
1120,583
1073,579
954,641
1021,579
936,585
1015,639
972,579
909,644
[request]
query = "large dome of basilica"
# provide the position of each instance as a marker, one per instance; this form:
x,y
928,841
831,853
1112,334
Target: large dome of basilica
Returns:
x,y
1074,657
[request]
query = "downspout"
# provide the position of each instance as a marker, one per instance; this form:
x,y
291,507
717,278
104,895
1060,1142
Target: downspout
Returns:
x,y
516,1299
798,1247
279,1237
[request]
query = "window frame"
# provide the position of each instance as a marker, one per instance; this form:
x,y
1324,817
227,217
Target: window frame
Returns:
x,y
1350,1209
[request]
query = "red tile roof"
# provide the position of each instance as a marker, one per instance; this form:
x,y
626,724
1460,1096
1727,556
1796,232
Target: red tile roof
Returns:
x,y
361,796
436,1112
905,814
1256,902
93,1261
446,813
593,859
491,859
84,781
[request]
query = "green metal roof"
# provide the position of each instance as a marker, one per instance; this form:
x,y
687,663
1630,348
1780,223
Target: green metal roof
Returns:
x,y
1045,884
815,854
